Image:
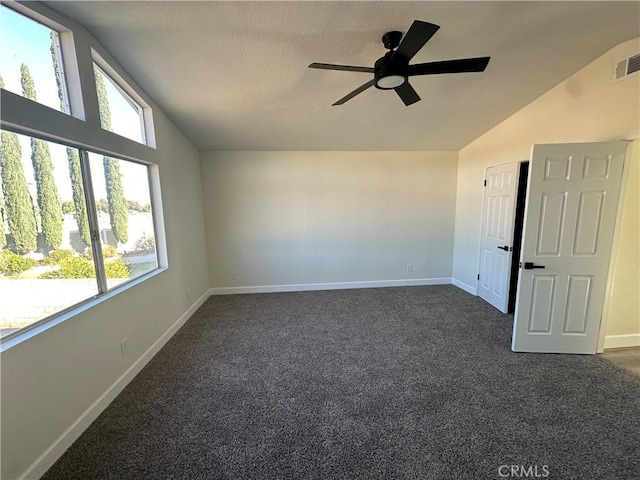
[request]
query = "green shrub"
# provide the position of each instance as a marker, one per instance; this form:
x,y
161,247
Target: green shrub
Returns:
x,y
109,251
57,256
50,275
76,267
72,267
116,269
80,267
12,264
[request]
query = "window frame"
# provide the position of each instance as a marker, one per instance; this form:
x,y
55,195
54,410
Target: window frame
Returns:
x,y
80,128
56,28
94,228
137,105
96,243
63,74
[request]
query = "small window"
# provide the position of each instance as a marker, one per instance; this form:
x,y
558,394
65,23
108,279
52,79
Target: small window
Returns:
x,y
30,60
119,113
125,218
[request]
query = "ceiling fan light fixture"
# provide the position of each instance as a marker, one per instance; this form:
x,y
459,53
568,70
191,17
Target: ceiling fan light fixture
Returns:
x,y
392,71
390,82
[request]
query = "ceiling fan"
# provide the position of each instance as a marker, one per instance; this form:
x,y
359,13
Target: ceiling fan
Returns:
x,y
392,71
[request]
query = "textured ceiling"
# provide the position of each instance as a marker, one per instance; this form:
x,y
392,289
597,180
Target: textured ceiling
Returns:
x,y
234,76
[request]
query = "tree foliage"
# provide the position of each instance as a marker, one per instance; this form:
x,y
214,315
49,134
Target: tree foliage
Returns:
x,y
138,207
48,198
3,238
68,207
77,190
118,211
73,158
18,203
102,205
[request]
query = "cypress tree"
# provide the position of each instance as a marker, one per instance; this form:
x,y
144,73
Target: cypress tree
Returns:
x,y
3,238
18,205
48,198
118,207
73,158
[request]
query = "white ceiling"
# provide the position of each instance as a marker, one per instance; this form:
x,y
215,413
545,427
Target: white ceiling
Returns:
x,y
234,76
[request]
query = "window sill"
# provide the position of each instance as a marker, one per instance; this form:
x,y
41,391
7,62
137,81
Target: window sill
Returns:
x,y
46,323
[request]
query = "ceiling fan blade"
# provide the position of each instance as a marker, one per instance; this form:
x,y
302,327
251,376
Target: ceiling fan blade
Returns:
x,y
407,94
418,34
357,91
450,66
346,68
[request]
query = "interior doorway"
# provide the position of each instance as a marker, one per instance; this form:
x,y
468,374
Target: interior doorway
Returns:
x,y
518,225
502,223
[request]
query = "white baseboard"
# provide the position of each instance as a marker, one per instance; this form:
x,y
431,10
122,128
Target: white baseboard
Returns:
x,y
464,286
620,341
410,282
71,434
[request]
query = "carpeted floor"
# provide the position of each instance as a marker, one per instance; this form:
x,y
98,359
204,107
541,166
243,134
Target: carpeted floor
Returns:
x,y
397,383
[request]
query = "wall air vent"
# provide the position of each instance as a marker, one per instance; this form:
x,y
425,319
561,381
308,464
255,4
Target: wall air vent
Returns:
x,y
627,67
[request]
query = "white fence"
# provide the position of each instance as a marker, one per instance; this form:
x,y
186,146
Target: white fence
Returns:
x,y
24,301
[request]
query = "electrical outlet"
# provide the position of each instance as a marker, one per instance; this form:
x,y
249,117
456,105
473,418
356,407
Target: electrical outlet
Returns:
x,y
188,293
124,346
234,275
409,267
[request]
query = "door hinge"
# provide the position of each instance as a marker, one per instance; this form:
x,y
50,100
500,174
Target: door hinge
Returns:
x,y
478,276
485,183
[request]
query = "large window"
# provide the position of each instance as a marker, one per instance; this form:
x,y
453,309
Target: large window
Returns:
x,y
77,219
30,60
58,246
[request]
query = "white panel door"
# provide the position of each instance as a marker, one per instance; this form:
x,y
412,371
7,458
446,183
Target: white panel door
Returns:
x,y
498,215
570,214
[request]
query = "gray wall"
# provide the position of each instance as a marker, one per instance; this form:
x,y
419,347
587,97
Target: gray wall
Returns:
x,y
299,218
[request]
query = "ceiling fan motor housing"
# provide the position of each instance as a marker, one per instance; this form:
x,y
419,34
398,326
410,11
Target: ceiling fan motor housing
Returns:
x,y
389,75
391,40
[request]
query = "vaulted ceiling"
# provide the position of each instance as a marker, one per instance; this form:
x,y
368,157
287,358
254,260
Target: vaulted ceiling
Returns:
x,y
234,76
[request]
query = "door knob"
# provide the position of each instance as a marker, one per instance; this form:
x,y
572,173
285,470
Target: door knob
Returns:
x,y
530,265
505,248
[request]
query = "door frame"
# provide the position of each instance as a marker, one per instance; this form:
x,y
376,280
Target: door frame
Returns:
x,y
518,228
608,292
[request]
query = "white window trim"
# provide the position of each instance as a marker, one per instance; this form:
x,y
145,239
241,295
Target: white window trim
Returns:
x,y
137,103
45,324
59,30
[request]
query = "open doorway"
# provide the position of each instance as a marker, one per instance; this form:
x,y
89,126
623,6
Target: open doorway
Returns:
x,y
518,225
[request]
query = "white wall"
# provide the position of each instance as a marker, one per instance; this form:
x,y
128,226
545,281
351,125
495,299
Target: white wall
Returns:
x,y
623,314
299,218
587,107
51,380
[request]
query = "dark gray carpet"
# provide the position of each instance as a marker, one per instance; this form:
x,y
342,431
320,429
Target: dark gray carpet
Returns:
x,y
398,383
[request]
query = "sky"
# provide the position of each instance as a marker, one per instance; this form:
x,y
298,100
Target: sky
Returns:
x,y
23,40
